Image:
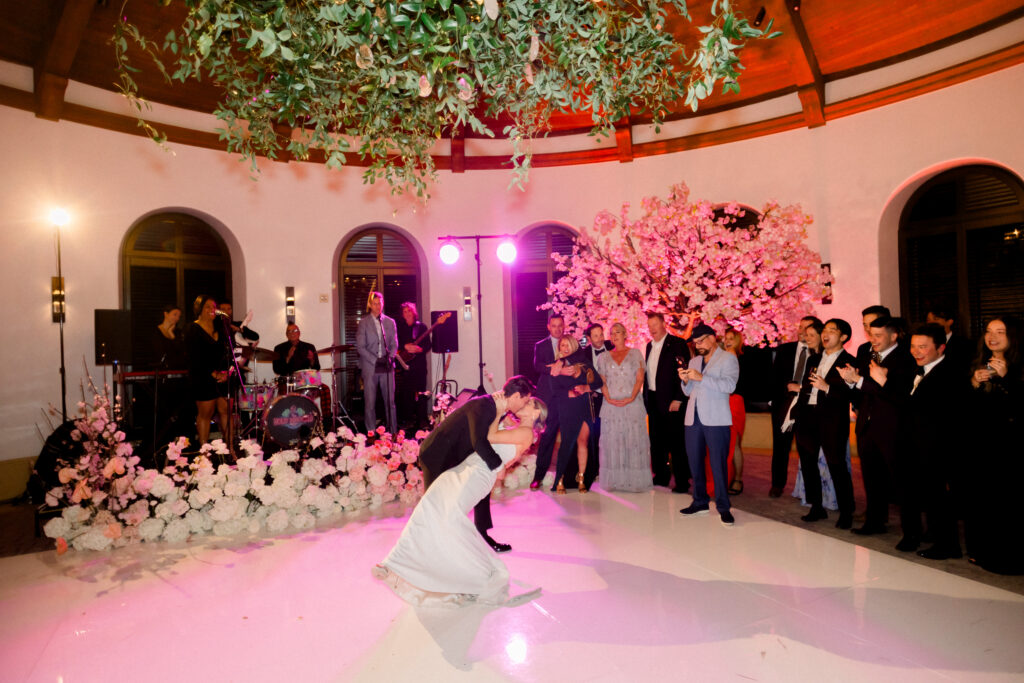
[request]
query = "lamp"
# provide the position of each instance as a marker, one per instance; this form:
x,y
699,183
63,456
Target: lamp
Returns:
x,y
449,252
59,218
289,304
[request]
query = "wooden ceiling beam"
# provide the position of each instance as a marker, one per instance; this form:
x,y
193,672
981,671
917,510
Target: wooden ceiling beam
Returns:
x,y
624,140
58,55
807,75
458,151
284,136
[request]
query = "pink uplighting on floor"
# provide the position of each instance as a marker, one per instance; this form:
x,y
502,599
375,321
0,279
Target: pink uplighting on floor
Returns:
x,y
629,591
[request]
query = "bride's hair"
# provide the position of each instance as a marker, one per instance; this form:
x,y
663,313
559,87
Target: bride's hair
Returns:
x,y
542,416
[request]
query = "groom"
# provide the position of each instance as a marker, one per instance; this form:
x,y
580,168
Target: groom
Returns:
x,y
463,433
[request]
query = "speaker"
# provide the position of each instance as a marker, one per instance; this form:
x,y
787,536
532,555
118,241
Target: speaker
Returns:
x,y
463,396
446,335
113,336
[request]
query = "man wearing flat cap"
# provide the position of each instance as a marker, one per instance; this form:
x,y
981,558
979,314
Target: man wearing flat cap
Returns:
x,y
708,380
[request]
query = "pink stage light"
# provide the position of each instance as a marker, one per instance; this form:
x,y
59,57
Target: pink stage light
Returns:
x,y
449,253
507,251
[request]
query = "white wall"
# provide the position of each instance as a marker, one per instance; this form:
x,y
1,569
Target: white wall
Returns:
x,y
852,175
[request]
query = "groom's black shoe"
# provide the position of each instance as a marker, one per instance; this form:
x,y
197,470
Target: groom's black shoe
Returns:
x,y
495,546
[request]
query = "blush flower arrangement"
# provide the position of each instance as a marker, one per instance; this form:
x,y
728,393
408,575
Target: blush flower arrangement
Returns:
x,y
111,501
682,256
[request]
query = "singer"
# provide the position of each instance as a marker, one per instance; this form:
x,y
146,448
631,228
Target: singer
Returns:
x,y
209,357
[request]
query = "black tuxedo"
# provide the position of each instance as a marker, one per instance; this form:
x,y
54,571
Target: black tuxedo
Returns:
x,y
459,435
959,353
668,446
879,410
925,460
782,442
825,426
593,461
543,356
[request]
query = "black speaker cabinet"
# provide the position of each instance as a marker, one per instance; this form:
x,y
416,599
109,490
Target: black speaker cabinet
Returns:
x,y
113,336
445,337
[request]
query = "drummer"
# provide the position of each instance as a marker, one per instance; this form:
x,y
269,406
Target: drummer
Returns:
x,y
295,354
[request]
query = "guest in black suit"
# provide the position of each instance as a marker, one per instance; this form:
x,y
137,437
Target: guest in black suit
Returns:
x,y
596,345
573,378
928,448
823,423
411,382
544,353
464,432
666,403
959,350
788,372
868,315
881,387
996,427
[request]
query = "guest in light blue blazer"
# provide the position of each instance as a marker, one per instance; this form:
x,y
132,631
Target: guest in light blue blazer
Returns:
x,y
377,344
708,380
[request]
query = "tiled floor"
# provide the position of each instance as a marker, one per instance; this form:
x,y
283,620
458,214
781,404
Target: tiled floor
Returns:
x,y
632,591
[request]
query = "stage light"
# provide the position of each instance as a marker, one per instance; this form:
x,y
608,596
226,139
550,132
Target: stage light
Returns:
x,y
450,252
59,217
507,251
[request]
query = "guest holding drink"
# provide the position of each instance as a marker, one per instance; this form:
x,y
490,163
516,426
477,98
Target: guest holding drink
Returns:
x,y
994,430
572,378
625,447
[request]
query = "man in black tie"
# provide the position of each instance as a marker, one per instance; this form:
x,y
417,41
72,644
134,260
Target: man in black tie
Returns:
x,y
959,350
666,404
823,423
596,345
788,373
927,456
881,387
544,353
868,315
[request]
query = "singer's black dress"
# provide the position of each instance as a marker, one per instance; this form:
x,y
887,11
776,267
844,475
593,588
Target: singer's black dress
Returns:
x,y
206,355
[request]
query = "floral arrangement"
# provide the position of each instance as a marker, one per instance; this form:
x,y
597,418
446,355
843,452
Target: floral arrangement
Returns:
x,y
386,79
111,501
683,256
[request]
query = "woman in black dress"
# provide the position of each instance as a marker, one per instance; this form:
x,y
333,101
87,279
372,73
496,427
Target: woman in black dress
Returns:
x,y
570,386
996,428
209,359
168,341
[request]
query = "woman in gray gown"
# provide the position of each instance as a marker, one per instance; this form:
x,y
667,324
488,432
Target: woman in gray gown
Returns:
x,y
625,447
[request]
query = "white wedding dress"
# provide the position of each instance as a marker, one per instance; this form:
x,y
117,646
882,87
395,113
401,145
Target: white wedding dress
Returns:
x,y
441,558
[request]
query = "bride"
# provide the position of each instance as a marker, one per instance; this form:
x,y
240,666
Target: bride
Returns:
x,y
440,557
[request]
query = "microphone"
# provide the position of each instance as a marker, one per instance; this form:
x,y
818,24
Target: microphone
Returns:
x,y
220,312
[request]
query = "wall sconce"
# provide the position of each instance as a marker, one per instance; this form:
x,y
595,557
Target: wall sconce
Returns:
x,y
289,304
57,299
467,303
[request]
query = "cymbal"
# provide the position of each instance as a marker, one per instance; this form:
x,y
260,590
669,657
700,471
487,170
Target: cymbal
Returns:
x,y
338,348
258,354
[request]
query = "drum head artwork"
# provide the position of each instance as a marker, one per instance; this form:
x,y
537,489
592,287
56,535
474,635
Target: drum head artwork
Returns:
x,y
291,420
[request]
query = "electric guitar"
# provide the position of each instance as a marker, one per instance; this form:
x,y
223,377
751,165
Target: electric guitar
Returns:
x,y
406,356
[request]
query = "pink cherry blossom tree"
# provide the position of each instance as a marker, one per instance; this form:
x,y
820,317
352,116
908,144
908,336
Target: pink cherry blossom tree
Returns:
x,y
678,258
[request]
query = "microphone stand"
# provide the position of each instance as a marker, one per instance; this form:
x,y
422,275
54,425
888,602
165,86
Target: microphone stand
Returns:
x,y
232,405
156,399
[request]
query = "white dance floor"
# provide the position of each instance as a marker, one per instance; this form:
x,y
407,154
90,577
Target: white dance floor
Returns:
x,y
631,591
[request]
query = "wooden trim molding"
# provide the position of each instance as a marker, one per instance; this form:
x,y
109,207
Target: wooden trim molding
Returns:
x,y
975,68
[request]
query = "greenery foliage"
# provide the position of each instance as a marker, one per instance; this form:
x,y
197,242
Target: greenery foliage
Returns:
x,y
385,79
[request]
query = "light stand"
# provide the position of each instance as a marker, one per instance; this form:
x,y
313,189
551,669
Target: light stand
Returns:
x,y
479,294
59,217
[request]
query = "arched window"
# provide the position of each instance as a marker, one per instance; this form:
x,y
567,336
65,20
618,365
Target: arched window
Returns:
x,y
750,218
169,258
532,273
962,247
380,259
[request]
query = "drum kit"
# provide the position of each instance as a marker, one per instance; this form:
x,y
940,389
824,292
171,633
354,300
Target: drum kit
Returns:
x,y
290,410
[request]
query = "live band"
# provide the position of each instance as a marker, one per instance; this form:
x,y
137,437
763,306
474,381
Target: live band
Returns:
x,y
208,370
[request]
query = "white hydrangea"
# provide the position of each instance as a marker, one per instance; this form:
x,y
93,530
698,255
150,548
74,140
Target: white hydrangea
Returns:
x,y
177,530
76,514
198,498
162,486
254,525
316,469
179,507
228,507
198,521
231,527
278,521
301,518
58,527
93,539
151,529
237,484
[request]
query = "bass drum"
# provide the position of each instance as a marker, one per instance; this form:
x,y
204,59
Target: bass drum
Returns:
x,y
291,420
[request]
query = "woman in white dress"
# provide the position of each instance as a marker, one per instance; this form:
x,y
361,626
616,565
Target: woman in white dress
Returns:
x,y
441,558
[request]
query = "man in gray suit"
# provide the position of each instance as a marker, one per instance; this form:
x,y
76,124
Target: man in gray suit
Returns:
x,y
708,381
377,344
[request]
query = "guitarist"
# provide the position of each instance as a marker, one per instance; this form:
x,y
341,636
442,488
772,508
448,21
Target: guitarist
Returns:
x,y
412,405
